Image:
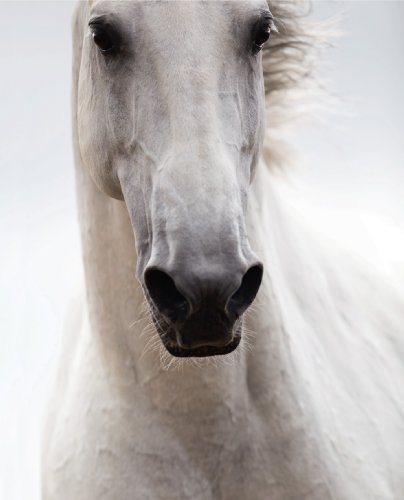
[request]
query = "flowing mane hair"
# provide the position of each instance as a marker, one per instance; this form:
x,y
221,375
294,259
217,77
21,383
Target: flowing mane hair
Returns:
x,y
289,60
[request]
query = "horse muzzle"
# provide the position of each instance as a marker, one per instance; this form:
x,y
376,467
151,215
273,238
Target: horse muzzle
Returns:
x,y
200,314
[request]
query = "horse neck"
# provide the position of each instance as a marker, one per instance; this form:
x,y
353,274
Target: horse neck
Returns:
x,y
114,298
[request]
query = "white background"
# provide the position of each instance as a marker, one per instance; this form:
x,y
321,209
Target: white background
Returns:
x,y
351,170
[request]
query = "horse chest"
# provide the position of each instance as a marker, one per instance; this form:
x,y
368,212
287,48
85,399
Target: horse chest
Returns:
x,y
130,455
122,453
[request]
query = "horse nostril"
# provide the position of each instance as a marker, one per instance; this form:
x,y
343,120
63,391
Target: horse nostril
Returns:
x,y
165,295
243,297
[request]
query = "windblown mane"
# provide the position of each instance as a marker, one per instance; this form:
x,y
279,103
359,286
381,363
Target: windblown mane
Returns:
x,y
288,63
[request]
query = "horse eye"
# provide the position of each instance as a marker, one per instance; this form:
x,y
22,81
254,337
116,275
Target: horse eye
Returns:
x,y
102,39
261,37
261,33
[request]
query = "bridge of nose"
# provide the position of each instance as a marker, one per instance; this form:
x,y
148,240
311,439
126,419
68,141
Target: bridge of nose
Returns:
x,y
200,249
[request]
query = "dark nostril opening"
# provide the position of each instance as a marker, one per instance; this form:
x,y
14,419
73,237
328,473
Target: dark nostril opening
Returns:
x,y
245,294
165,295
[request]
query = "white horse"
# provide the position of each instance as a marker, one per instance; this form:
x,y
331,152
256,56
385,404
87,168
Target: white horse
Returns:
x,y
168,115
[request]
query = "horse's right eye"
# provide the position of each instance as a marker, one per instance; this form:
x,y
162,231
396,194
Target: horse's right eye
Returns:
x,y
103,39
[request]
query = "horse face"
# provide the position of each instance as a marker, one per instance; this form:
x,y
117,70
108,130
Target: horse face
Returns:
x,y
170,119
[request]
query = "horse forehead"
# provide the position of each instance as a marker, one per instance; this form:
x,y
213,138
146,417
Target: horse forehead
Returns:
x,y
182,37
178,14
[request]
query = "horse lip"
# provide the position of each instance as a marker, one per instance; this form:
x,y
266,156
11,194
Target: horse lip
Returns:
x,y
168,339
203,351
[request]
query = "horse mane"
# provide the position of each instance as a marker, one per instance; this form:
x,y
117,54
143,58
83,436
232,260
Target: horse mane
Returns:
x,y
289,61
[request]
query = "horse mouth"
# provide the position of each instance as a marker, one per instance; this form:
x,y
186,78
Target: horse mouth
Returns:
x,y
226,340
203,351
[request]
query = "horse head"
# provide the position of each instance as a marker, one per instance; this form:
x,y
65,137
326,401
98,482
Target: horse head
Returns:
x,y
171,120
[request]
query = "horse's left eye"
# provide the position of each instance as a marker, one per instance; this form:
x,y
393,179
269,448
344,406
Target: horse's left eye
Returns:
x,y
262,38
103,39
261,34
